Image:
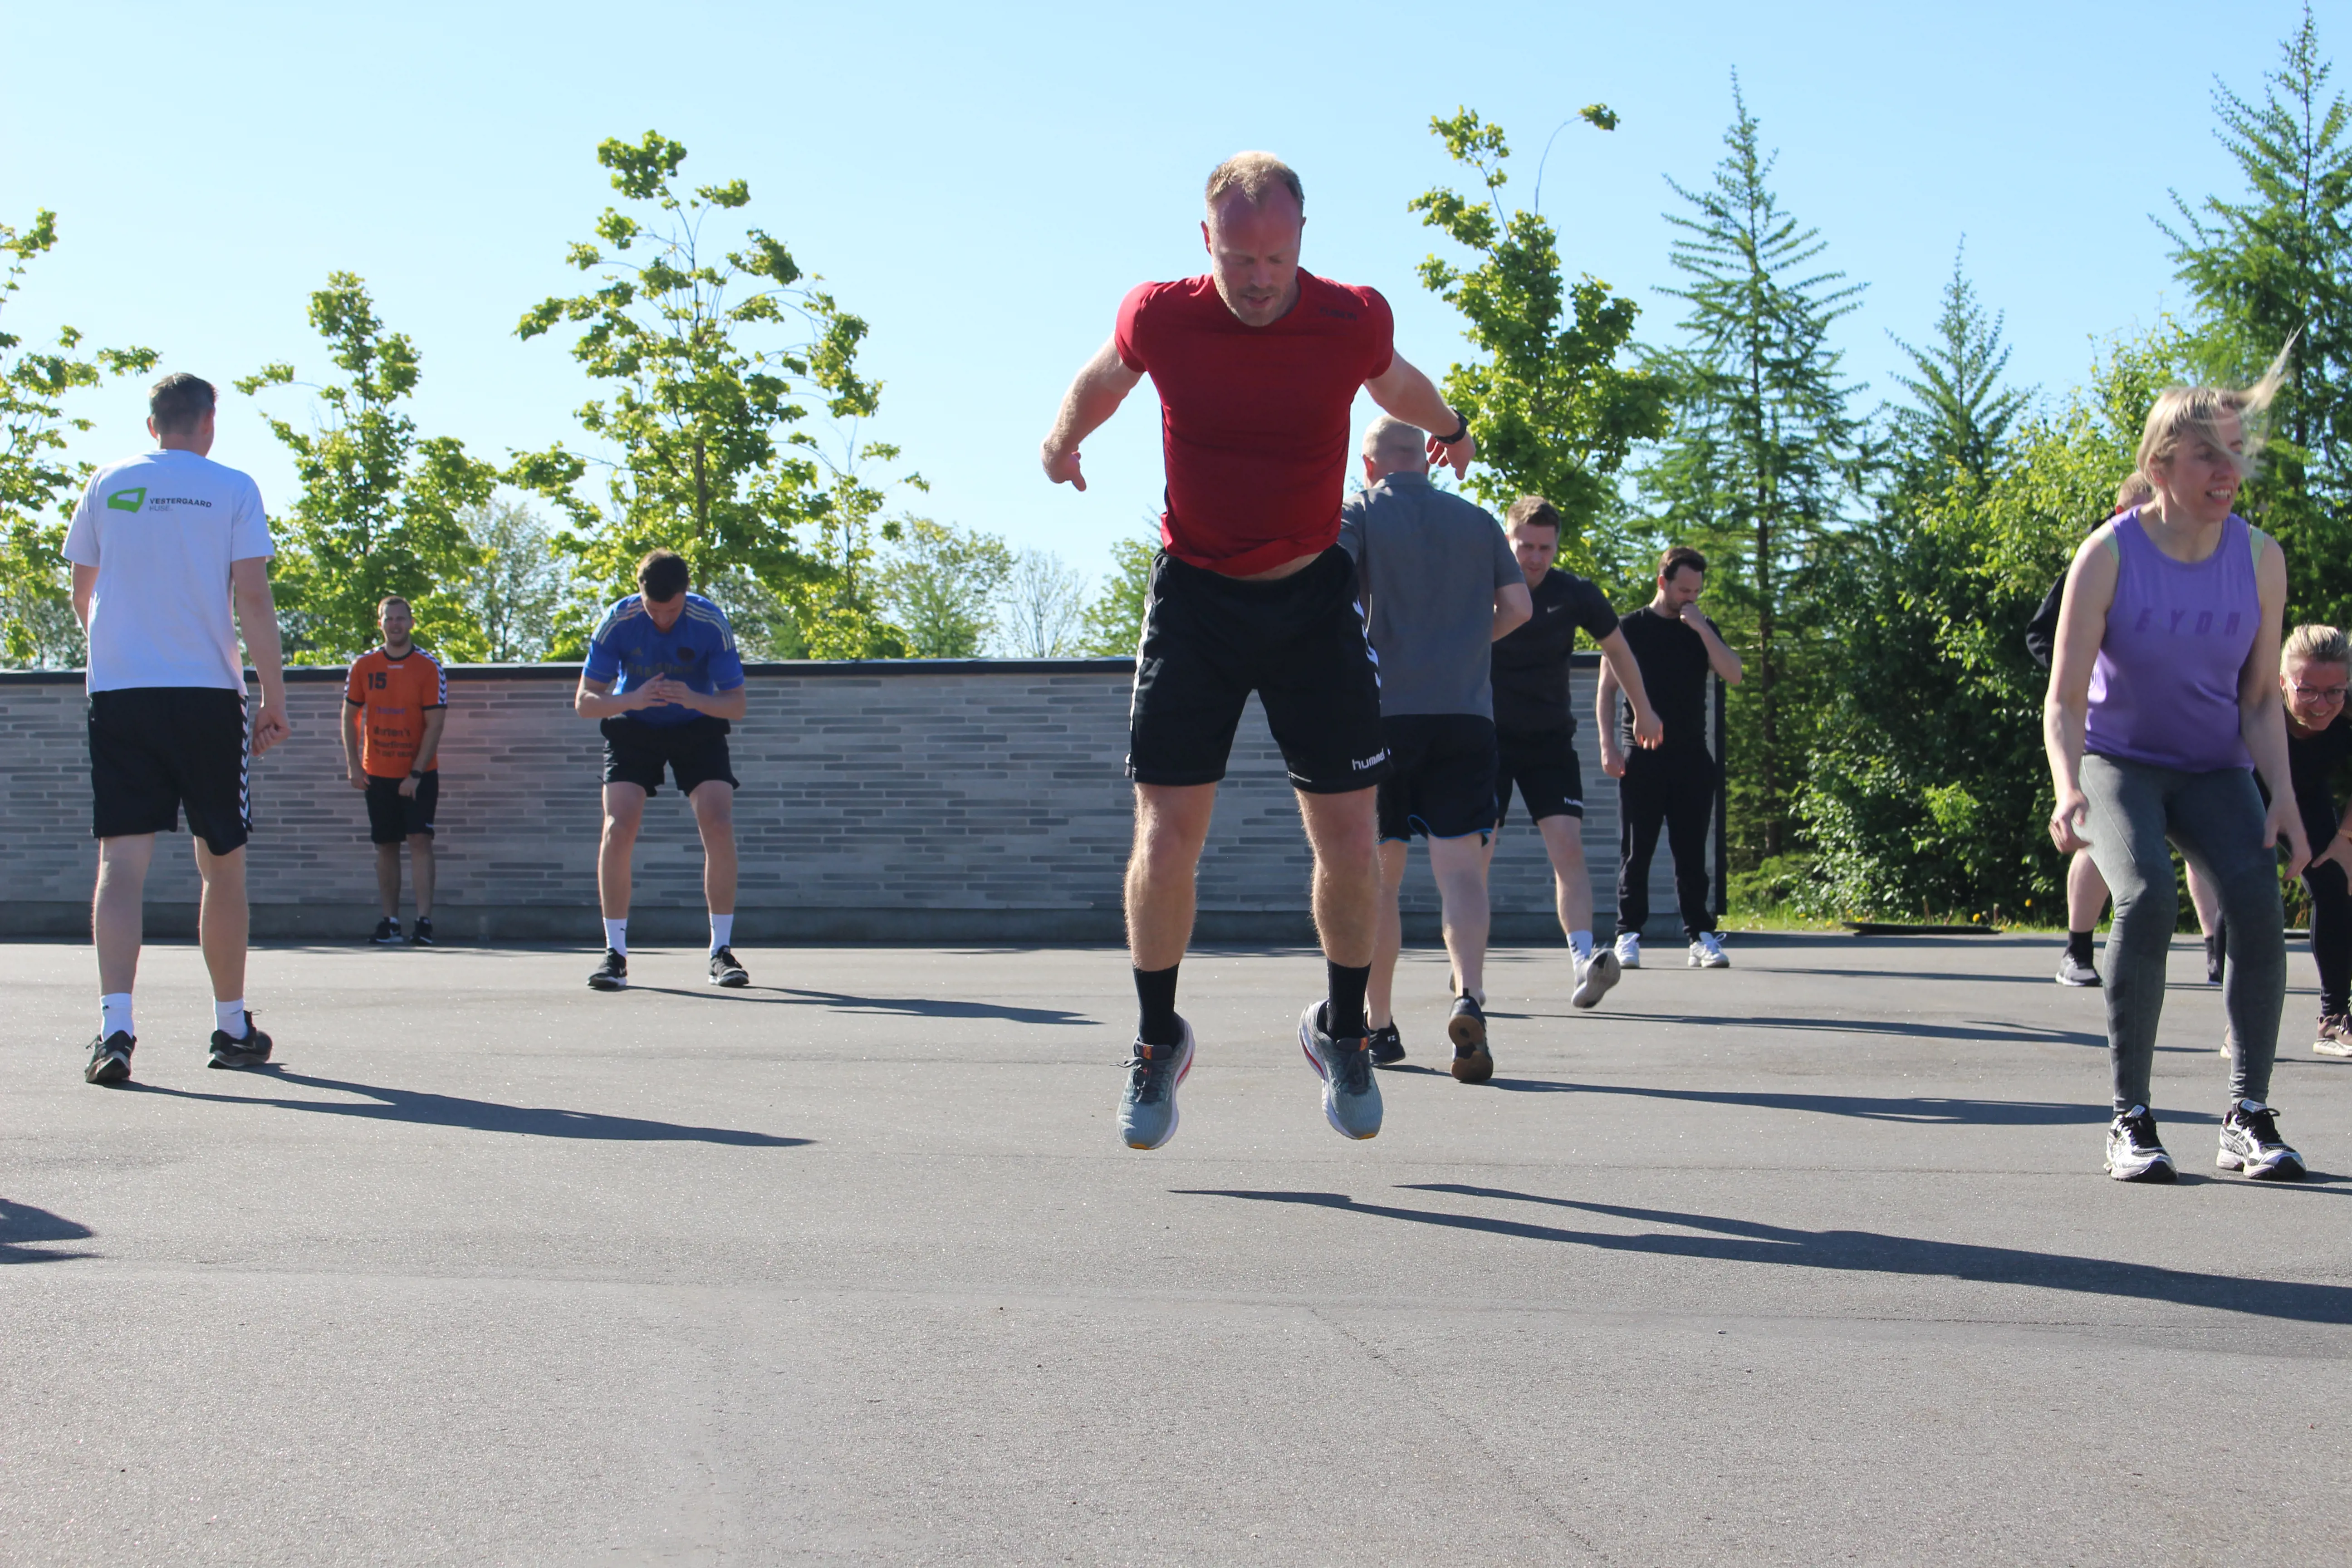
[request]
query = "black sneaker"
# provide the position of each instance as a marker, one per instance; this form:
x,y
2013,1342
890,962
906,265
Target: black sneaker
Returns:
x,y
249,1052
2134,1154
109,1059
724,971
2072,970
2249,1143
387,932
423,935
613,975
1387,1046
1467,1029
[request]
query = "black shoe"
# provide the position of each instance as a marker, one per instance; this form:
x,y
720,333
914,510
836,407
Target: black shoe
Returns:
x,y
1388,1046
724,971
109,1059
2134,1154
1467,1029
423,935
249,1052
2251,1142
613,975
2074,971
387,932
2217,953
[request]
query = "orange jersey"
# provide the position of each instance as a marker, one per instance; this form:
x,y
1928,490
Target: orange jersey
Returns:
x,y
394,695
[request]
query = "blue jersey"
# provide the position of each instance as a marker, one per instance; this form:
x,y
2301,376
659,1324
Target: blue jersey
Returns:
x,y
697,650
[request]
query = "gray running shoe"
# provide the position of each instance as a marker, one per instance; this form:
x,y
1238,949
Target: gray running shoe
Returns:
x,y
613,975
110,1058
1387,1046
1147,1108
1467,1029
2251,1142
2133,1153
1594,976
724,971
249,1052
2073,972
1351,1100
2335,1035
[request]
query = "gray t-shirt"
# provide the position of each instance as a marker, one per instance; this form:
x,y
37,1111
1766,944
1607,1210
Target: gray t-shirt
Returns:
x,y
1430,562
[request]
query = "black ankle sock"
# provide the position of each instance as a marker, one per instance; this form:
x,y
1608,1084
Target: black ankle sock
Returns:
x,y
2078,945
1155,997
1345,1017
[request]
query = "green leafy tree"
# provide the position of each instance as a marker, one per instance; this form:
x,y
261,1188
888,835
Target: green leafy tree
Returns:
x,y
1554,412
2271,263
39,487
1761,461
380,507
939,588
1041,613
516,587
713,359
1112,624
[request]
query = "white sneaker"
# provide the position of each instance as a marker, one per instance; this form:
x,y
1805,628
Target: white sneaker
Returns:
x,y
1629,949
1594,976
1706,952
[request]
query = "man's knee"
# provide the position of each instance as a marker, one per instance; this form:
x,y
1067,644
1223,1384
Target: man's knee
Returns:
x,y
714,808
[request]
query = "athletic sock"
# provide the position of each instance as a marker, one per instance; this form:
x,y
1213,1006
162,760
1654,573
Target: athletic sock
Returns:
x,y
1156,1023
616,935
723,932
228,1017
114,1014
1580,942
2078,945
1345,1021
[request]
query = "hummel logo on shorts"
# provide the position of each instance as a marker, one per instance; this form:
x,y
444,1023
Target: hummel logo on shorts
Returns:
x,y
1375,759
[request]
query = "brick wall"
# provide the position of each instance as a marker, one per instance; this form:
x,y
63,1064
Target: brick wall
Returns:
x,y
911,801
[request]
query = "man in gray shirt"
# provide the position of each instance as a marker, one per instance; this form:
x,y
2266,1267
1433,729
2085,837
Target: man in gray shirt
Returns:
x,y
1439,585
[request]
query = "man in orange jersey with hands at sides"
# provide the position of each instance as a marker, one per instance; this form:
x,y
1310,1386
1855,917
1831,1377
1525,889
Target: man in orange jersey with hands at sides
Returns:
x,y
398,698
1258,364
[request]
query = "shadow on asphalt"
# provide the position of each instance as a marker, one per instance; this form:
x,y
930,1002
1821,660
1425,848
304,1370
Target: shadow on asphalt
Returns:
x,y
1923,1110
1985,1033
24,1229
1861,1251
479,1115
884,1006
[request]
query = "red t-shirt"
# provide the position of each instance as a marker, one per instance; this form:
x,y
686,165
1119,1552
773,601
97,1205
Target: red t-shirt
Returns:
x,y
1253,419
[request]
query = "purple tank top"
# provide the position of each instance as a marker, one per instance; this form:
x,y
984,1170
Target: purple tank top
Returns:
x,y
2164,690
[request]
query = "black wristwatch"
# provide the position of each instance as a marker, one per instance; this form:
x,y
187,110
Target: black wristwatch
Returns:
x,y
417,772
1459,431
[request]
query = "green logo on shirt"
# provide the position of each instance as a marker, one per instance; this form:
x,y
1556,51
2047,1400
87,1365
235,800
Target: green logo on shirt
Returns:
x,y
127,500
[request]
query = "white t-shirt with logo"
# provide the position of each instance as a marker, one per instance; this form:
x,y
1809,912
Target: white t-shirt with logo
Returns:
x,y
162,529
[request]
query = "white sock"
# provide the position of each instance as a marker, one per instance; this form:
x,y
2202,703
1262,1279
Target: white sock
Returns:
x,y
114,1013
1580,942
228,1017
616,935
723,932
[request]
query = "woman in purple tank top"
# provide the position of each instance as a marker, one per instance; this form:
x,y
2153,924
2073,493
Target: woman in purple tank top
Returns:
x,y
2163,704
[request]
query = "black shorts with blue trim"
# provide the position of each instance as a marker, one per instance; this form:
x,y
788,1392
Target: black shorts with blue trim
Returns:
x,y
1442,779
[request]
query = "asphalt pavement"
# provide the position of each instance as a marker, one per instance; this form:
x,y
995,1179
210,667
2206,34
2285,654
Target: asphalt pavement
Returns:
x,y
1809,1260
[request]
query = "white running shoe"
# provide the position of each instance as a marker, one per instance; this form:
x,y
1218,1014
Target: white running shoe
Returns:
x,y
1706,952
1594,976
1629,949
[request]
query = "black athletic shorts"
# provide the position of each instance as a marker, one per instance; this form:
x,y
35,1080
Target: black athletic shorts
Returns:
x,y
155,749
1543,765
1298,642
1441,781
392,817
695,752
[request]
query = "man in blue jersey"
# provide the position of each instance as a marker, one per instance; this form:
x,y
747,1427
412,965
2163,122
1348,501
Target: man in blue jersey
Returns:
x,y
665,680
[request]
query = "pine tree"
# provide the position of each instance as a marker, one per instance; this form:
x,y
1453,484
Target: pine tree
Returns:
x,y
1961,415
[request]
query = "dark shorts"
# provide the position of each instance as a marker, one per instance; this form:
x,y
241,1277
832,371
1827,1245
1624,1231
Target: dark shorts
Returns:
x,y
1298,642
392,817
1441,781
1543,765
155,749
695,752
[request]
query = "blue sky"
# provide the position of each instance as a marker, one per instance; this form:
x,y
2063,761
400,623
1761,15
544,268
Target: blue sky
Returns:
x,y
983,184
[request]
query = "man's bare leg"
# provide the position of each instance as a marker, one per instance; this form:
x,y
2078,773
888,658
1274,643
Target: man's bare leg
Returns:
x,y
1342,831
1459,867
2086,892
420,862
118,909
1171,824
387,880
1389,939
714,815
1571,881
625,810
221,920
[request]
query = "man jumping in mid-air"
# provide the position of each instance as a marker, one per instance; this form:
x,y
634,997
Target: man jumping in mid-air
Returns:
x,y
1256,364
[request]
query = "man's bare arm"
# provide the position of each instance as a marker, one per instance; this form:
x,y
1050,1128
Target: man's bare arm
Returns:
x,y
1719,657
428,749
1621,670
354,720
1604,721
1413,397
85,589
1514,607
257,617
1092,399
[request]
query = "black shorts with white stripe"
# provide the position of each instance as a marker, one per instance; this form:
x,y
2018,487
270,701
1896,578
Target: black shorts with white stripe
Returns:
x,y
155,749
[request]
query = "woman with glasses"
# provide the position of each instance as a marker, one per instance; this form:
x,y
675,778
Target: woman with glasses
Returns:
x,y
2314,669
2163,702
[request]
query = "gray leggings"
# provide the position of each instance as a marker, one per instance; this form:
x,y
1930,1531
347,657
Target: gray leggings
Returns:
x,y
2216,818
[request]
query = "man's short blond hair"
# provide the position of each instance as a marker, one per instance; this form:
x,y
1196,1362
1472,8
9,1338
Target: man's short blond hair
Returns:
x,y
1253,174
